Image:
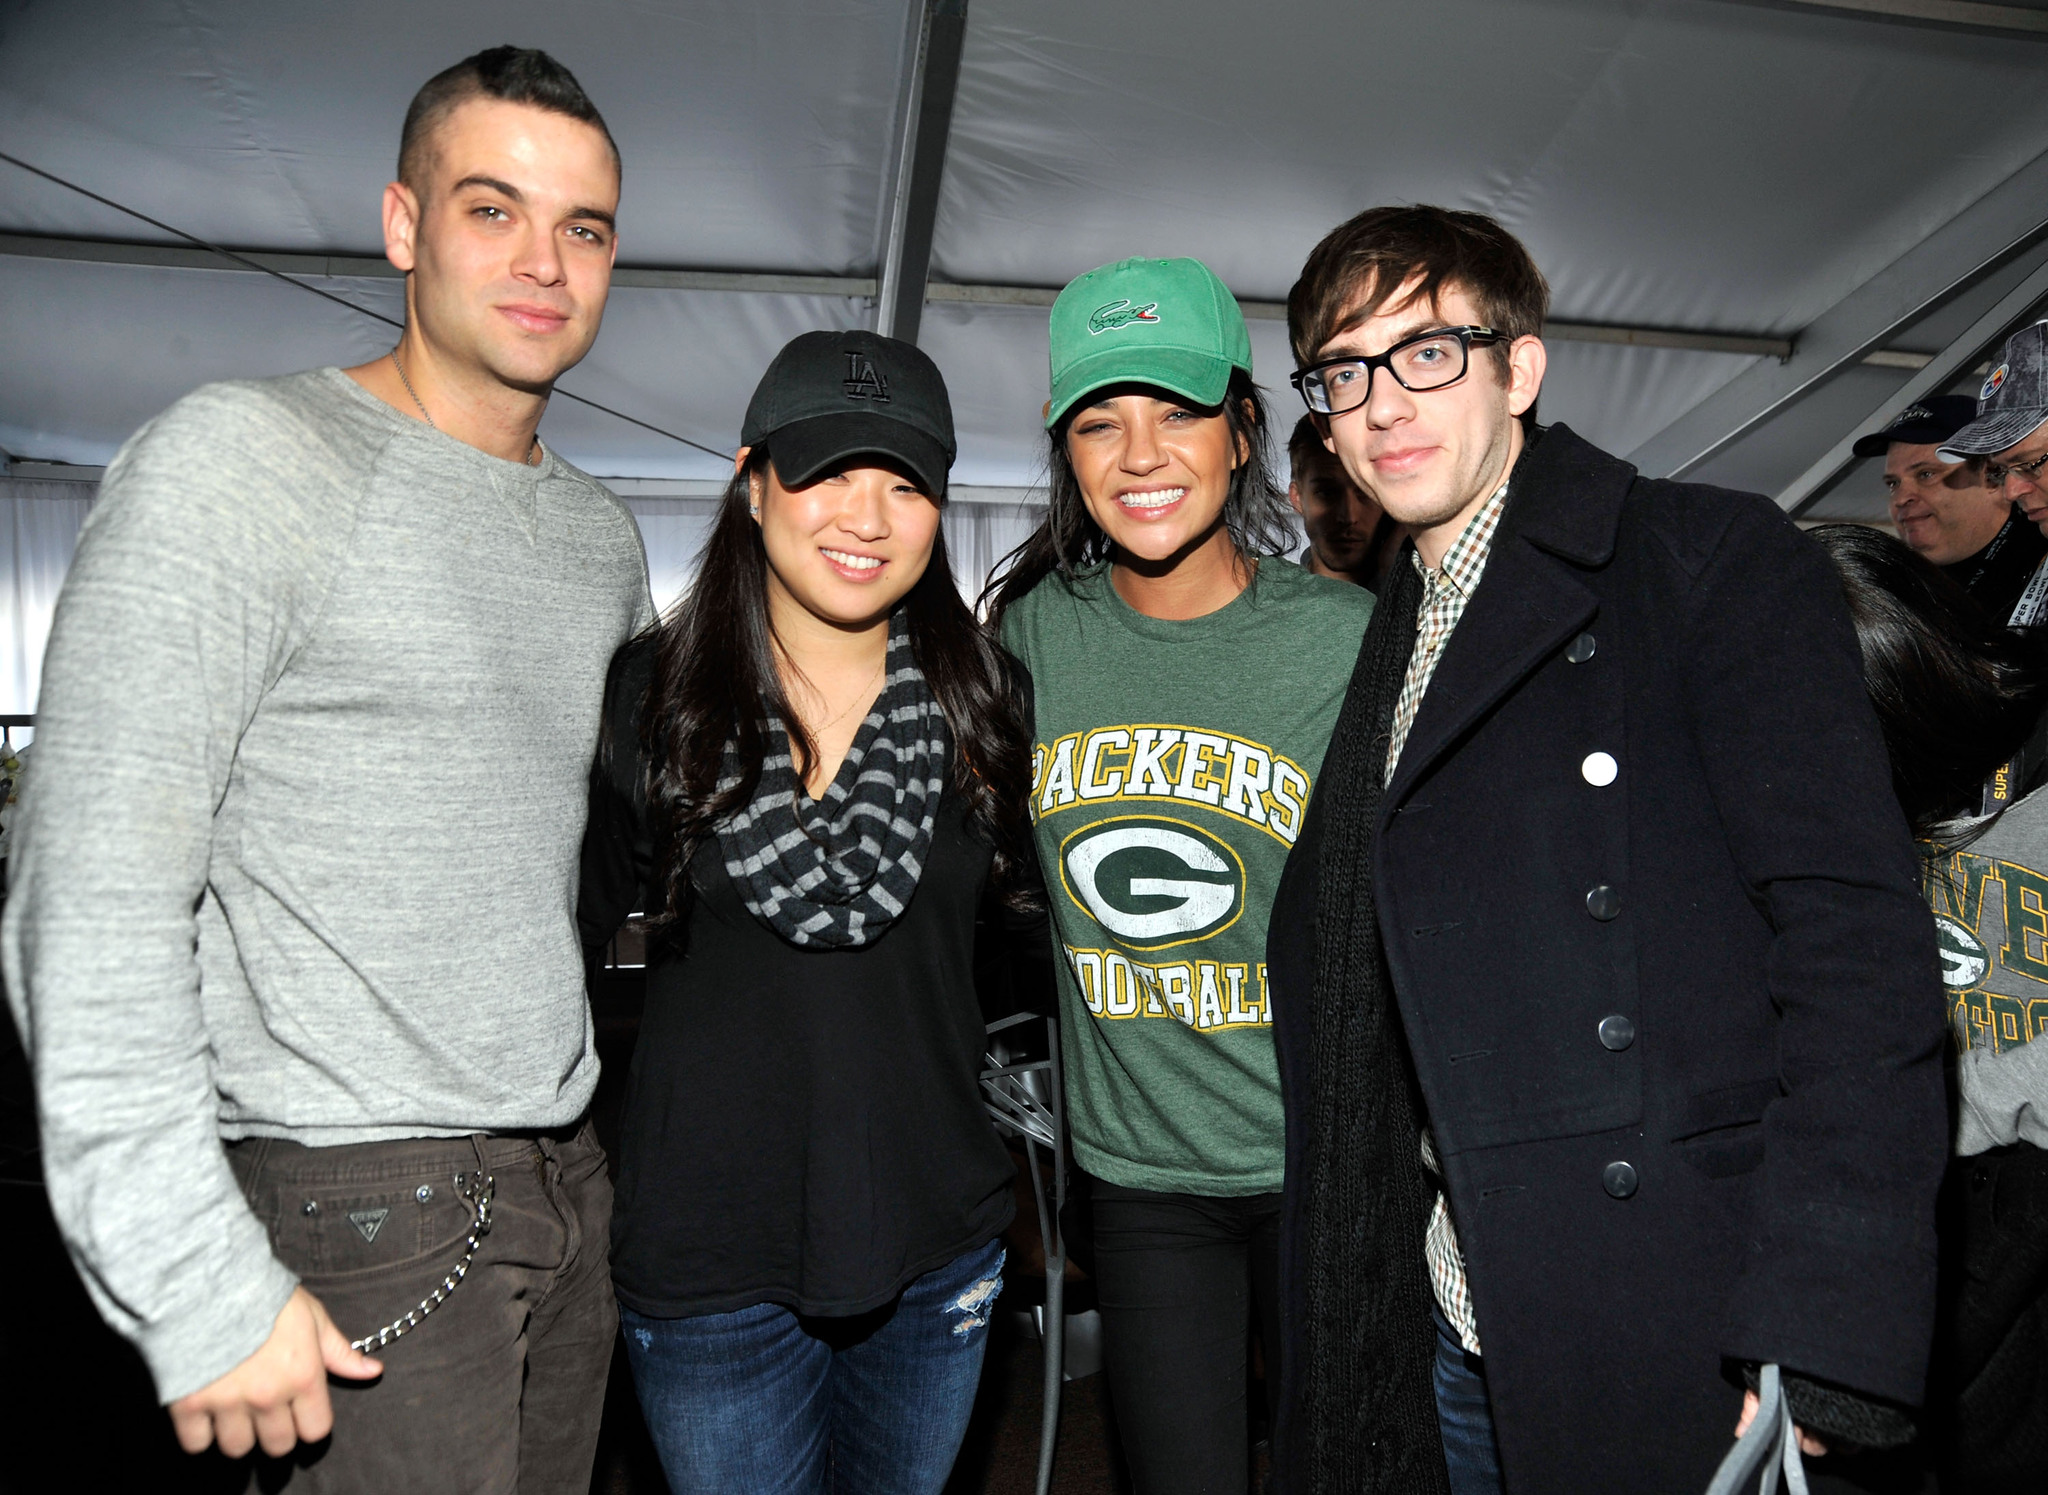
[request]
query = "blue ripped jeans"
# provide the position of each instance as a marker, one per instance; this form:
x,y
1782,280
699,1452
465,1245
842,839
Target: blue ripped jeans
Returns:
x,y
763,1401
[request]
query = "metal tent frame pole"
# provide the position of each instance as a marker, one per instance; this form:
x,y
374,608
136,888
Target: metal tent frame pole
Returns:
x,y
1028,1101
2024,298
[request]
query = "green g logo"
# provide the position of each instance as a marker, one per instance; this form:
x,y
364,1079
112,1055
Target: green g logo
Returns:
x,y
1153,882
1964,960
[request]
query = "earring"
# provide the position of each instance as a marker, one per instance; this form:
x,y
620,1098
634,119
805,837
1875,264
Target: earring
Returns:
x,y
755,511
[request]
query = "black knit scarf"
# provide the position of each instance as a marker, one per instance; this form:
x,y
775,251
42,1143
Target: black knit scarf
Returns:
x,y
833,873
1370,1406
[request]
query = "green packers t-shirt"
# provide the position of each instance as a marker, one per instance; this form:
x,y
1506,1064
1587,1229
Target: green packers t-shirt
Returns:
x,y
1171,767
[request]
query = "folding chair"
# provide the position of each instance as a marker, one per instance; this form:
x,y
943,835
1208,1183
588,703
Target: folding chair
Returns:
x,y
1025,1101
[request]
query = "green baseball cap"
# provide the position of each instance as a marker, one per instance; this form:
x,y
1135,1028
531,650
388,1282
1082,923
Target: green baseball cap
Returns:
x,y
1169,323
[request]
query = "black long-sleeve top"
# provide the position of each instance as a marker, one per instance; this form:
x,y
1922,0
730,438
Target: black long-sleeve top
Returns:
x,y
801,1127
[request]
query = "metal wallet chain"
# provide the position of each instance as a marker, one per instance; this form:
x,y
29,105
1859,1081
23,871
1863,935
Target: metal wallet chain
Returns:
x,y
478,1188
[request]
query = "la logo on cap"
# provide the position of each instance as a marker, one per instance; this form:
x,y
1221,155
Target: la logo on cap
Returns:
x,y
1120,314
863,380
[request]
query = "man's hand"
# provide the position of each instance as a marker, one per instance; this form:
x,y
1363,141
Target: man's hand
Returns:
x,y
1808,1444
278,1396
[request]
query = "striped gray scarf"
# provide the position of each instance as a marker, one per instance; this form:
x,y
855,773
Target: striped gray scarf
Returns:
x,y
834,873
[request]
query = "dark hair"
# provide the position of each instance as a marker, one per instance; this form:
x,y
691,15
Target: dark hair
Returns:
x,y
1305,449
715,682
517,75
1380,250
1956,694
1255,510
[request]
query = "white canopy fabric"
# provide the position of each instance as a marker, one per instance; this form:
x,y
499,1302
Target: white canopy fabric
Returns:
x,y
1701,165
39,525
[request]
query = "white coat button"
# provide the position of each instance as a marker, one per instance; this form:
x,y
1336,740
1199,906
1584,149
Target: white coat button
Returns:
x,y
1599,769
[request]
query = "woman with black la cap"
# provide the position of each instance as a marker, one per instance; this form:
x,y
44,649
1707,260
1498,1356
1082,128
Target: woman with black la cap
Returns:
x,y
815,766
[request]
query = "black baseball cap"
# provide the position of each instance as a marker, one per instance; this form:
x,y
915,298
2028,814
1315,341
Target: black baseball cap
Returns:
x,y
833,395
1928,422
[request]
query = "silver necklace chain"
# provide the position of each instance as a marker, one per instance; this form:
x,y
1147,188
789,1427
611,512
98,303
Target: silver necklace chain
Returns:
x,y
532,461
479,1188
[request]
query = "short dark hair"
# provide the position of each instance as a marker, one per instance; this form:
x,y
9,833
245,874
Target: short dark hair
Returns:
x,y
518,75
1382,249
1305,448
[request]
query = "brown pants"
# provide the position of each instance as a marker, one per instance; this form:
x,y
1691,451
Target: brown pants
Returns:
x,y
500,1390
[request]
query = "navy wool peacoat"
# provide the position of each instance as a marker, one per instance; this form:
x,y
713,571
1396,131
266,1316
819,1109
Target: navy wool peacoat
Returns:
x,y
1676,1018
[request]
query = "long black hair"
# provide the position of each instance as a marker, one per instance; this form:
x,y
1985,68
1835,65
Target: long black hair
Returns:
x,y
714,682
1956,693
1255,510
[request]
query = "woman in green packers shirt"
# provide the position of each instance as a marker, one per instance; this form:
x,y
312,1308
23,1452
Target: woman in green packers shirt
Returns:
x,y
1186,683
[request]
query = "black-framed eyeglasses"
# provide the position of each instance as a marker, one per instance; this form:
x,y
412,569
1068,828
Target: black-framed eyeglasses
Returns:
x,y
1426,361
1995,474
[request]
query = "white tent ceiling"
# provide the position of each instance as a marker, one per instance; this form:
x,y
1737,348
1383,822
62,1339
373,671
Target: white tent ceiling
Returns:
x,y
1803,172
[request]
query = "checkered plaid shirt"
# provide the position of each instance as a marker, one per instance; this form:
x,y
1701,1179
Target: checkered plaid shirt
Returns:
x,y
1445,591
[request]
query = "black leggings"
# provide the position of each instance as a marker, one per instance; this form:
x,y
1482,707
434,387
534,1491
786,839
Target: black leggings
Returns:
x,y
1176,1278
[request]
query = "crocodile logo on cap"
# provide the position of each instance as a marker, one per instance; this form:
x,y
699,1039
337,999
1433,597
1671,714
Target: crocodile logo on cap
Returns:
x,y
1119,314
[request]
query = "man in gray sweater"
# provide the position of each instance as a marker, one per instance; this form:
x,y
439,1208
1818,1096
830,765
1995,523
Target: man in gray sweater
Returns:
x,y
291,938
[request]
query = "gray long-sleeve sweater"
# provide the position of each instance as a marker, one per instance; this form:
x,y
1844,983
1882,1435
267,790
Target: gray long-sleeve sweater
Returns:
x,y
299,854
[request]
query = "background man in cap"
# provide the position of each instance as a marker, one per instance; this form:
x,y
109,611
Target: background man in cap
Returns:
x,y
1350,537
2010,432
1946,510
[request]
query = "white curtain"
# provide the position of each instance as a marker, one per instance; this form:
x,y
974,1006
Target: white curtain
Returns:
x,y
979,535
674,531
39,524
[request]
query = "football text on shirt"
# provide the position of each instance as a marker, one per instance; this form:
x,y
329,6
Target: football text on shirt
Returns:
x,y
1202,994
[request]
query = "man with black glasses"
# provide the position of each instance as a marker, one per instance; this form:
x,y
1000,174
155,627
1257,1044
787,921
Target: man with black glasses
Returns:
x,y
1600,978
